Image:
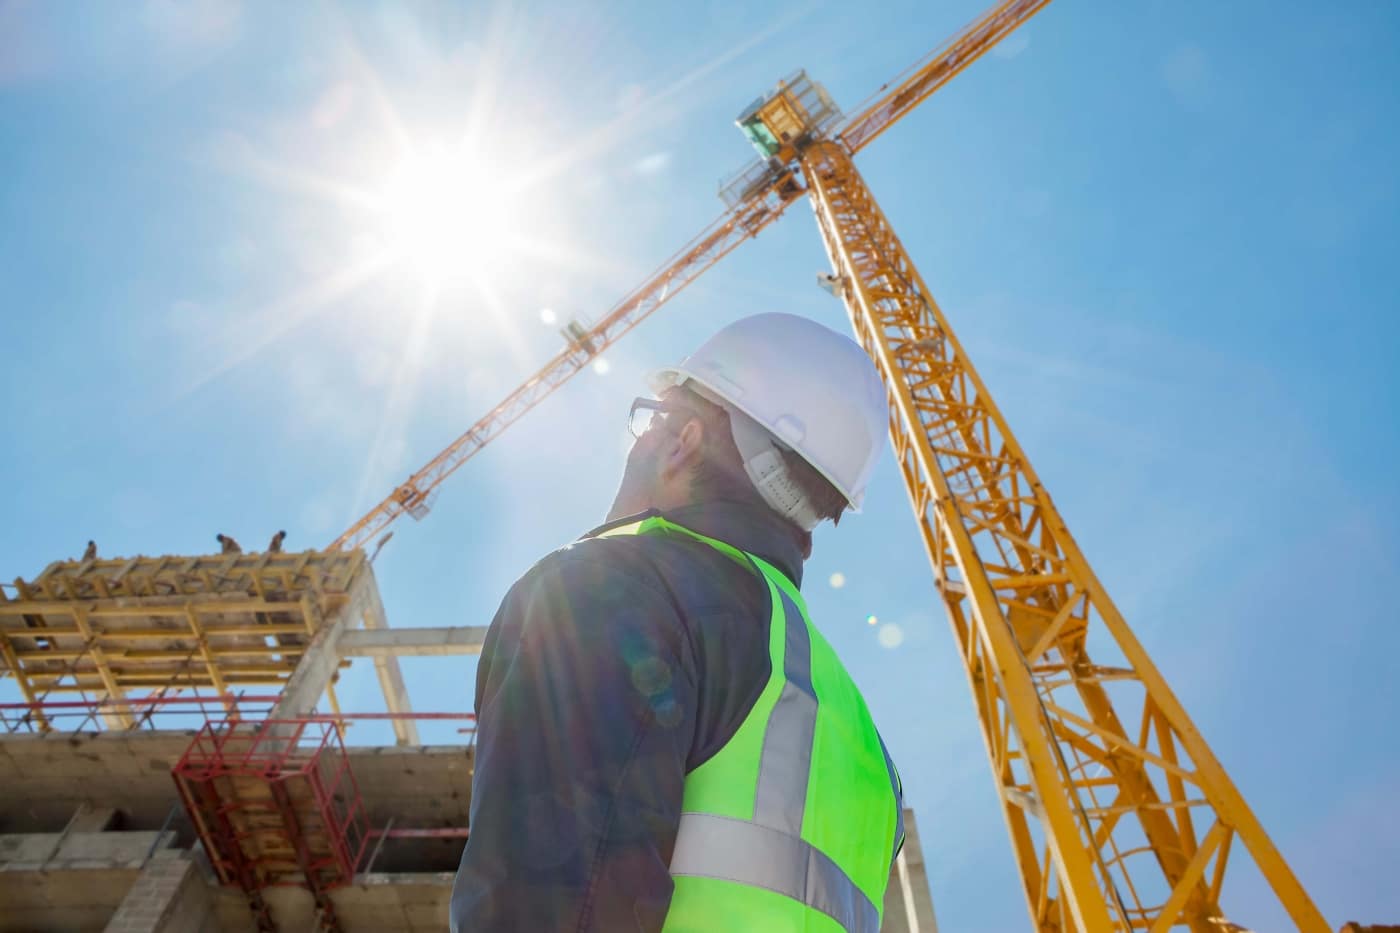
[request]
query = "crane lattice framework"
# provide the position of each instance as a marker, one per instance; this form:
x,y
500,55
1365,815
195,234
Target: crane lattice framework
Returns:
x,y
1120,816
1112,830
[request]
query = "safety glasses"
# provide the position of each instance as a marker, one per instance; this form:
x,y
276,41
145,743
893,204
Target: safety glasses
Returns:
x,y
645,411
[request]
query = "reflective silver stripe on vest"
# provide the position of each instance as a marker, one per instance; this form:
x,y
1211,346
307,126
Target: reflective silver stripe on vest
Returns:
x,y
786,759
709,846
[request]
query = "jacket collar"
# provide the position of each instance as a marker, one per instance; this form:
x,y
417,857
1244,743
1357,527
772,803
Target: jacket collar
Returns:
x,y
760,532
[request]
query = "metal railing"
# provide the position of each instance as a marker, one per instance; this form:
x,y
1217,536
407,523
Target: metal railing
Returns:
x,y
144,713
184,712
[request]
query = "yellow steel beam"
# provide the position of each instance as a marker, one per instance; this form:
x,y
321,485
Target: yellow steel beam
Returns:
x,y
122,718
155,654
1168,912
173,682
177,606
233,673
833,180
12,663
913,87
161,634
215,677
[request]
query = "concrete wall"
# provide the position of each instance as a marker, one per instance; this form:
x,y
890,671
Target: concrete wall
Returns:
x,y
420,786
72,901
71,880
170,895
86,875
47,777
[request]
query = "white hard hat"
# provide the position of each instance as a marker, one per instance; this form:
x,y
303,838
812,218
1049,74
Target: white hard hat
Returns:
x,y
812,389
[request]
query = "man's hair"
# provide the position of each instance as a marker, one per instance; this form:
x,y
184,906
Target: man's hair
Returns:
x,y
719,474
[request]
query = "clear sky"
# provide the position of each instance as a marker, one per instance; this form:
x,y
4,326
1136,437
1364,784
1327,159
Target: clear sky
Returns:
x,y
1166,232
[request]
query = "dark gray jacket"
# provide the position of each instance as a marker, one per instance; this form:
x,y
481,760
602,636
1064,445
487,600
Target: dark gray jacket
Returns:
x,y
613,668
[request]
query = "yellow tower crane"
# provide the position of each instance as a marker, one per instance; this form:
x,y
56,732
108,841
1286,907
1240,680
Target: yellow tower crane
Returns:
x,y
1120,816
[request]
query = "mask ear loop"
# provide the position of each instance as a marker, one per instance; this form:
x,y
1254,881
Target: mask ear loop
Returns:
x,y
770,476
763,463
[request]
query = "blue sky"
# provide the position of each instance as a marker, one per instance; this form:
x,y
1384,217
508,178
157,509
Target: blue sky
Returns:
x,y
1165,231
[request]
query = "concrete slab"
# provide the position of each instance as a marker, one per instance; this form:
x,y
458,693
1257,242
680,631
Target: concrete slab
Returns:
x,y
55,851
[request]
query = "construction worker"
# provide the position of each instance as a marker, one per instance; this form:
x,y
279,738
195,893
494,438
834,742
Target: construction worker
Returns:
x,y
665,742
275,545
227,545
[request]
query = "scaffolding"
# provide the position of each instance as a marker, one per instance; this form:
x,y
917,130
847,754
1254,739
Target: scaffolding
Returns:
x,y
153,625
275,803
152,643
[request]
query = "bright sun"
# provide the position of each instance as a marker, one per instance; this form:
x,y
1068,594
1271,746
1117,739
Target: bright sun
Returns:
x,y
446,213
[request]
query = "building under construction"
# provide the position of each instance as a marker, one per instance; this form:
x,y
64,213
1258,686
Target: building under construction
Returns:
x,y
179,761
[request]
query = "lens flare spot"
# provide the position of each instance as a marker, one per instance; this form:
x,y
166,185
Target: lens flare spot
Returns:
x,y
837,580
890,635
651,676
601,366
871,620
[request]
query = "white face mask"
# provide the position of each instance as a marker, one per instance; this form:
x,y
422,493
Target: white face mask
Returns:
x,y
768,473
764,464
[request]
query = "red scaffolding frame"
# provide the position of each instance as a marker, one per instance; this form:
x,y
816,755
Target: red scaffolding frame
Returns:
x,y
275,803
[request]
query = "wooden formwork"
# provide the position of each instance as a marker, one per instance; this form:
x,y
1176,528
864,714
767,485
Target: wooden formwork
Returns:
x,y
154,624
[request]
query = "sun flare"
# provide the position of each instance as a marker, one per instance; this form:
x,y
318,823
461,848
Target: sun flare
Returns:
x,y
447,213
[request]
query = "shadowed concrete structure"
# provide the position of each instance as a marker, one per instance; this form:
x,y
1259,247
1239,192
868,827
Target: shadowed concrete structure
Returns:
x,y
95,835
90,819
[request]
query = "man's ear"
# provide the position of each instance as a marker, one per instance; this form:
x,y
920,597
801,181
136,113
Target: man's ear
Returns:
x,y
685,449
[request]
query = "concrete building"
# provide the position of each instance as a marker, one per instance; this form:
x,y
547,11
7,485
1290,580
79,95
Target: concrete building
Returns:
x,y
167,798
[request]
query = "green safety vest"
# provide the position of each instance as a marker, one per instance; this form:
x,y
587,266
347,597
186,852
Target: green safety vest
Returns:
x,y
795,823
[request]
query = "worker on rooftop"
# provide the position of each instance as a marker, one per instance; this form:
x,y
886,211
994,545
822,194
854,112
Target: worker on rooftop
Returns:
x,y
665,741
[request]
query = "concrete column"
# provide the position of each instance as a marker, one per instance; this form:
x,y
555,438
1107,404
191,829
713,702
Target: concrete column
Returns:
x,y
323,656
387,667
908,902
169,896
314,671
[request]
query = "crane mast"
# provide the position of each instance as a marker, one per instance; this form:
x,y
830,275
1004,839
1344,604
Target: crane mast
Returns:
x,y
1120,816
1111,829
